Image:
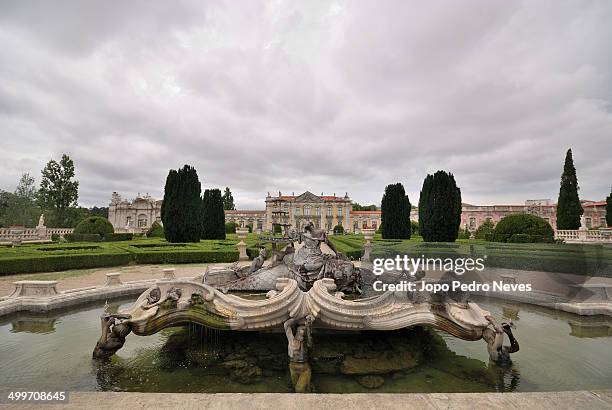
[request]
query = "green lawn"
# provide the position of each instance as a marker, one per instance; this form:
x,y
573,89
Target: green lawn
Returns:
x,y
59,257
594,260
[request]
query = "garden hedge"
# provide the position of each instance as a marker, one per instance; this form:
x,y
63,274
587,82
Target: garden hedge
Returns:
x,y
53,263
94,225
116,237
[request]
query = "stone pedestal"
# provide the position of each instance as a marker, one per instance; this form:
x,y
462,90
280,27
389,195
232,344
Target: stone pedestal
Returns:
x,y
113,279
168,274
35,288
242,234
368,234
367,248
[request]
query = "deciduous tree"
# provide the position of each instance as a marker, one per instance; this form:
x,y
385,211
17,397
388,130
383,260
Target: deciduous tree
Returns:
x,y
59,190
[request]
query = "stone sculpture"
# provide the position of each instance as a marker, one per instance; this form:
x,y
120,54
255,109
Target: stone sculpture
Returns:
x,y
190,301
306,265
304,289
494,336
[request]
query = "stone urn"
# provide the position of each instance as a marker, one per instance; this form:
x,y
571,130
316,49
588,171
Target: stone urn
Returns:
x,y
368,234
242,233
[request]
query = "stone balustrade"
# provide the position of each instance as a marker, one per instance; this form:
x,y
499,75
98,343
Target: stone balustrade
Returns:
x,y
31,234
584,235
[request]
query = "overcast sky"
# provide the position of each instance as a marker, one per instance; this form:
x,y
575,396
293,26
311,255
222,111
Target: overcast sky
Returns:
x,y
321,96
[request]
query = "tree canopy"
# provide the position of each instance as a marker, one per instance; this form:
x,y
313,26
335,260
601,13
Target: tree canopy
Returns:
x,y
228,200
569,208
439,208
395,213
59,191
213,217
181,211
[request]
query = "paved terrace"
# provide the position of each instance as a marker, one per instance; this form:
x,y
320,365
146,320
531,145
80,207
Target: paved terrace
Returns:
x,y
545,400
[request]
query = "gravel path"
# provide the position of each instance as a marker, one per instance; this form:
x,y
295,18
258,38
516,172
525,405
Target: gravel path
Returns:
x,y
73,279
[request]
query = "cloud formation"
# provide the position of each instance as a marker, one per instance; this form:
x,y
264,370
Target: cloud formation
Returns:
x,y
325,96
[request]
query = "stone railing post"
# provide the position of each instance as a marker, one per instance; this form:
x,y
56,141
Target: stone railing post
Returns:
x,y
168,274
242,234
34,288
113,279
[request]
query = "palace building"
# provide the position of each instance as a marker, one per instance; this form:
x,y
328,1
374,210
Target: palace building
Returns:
x,y
133,216
327,211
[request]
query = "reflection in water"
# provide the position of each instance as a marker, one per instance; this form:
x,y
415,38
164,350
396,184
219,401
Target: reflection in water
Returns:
x,y
559,351
33,324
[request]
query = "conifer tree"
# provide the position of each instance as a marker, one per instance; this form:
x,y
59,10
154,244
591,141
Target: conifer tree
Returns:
x,y
609,209
439,208
569,208
395,213
228,200
181,210
213,215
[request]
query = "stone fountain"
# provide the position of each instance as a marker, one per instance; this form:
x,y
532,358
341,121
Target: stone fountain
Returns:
x,y
302,291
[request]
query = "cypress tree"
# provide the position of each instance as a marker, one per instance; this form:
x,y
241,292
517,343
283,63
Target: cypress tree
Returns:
x,y
569,208
213,215
395,213
439,208
182,208
609,209
228,200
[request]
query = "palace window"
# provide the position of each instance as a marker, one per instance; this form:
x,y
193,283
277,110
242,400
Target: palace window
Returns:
x,y
602,222
259,224
588,223
374,225
355,226
472,222
142,221
297,210
329,210
306,210
339,211
364,225
317,211
128,221
329,227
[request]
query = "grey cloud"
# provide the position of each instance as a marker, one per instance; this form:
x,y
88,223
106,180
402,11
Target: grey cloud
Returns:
x,y
333,97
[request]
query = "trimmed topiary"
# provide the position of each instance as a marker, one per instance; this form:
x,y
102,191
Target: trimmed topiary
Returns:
x,y
338,229
395,213
94,225
230,227
439,208
485,228
524,224
156,230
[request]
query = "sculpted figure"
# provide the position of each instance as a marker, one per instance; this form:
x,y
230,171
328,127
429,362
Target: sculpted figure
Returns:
x,y
309,257
299,341
114,332
154,297
258,261
494,336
